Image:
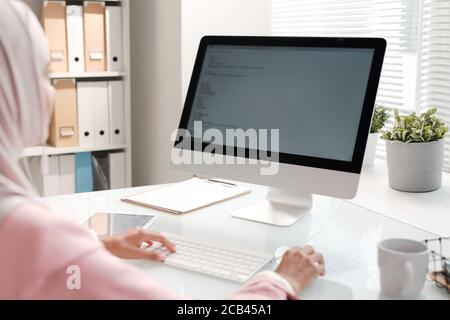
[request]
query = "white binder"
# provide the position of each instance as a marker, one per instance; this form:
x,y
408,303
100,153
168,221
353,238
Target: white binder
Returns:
x,y
51,177
93,113
116,112
67,174
45,171
75,38
114,39
101,113
85,114
117,170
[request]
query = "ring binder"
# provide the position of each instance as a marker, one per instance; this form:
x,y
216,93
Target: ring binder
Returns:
x,y
53,20
94,35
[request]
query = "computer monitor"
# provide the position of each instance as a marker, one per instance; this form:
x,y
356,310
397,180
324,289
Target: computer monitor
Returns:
x,y
291,113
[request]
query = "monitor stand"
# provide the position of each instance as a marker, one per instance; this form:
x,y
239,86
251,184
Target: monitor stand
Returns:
x,y
281,208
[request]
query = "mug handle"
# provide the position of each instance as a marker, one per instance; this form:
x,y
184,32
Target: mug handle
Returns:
x,y
409,271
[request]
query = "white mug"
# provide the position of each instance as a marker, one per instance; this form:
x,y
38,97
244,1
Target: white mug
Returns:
x,y
403,267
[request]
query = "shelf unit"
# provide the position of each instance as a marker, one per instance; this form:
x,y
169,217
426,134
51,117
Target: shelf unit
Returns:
x,y
36,151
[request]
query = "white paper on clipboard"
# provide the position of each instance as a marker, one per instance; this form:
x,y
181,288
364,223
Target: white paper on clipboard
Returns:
x,y
188,195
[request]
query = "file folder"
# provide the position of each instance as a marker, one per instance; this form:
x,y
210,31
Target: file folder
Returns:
x,y
75,38
94,36
83,172
99,94
64,124
67,174
116,112
53,21
85,114
114,40
45,171
100,170
93,113
51,177
117,170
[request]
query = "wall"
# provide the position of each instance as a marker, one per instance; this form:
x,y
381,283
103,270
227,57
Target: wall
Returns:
x,y
164,40
219,17
156,87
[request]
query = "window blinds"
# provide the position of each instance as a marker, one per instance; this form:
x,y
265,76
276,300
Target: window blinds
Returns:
x,y
416,70
391,19
434,85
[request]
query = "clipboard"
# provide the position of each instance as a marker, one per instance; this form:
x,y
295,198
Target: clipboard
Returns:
x,y
188,195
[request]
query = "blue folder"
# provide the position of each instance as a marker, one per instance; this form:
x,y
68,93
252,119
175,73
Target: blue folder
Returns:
x,y
83,172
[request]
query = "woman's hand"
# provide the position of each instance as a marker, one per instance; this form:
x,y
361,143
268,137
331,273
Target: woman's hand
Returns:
x,y
300,266
128,245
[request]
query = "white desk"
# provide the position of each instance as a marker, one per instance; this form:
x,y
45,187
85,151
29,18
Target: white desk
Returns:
x,y
345,233
428,211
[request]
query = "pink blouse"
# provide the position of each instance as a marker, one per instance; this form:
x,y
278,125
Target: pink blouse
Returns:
x,y
38,246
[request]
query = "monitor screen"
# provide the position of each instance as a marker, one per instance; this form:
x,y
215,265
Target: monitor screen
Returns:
x,y
314,96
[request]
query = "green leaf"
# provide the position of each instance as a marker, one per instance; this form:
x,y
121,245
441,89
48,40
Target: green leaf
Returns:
x,y
411,128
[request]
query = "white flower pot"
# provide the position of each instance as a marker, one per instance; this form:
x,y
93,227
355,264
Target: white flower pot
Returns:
x,y
415,167
371,148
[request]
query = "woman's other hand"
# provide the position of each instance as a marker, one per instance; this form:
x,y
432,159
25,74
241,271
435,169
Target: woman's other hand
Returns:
x,y
300,266
129,244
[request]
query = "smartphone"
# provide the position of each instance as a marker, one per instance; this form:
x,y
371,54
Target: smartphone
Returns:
x,y
106,224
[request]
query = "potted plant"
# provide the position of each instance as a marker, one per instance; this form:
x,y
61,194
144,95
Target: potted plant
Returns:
x,y
415,151
379,119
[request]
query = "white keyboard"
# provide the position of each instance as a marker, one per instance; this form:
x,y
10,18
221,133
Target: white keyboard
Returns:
x,y
214,260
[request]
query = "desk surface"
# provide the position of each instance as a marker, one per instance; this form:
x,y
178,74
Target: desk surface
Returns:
x,y
428,211
345,233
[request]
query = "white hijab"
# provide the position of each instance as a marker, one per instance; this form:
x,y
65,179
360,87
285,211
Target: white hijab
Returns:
x,y
24,115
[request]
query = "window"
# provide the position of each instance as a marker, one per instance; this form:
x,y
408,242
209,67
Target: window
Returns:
x,y
416,70
434,88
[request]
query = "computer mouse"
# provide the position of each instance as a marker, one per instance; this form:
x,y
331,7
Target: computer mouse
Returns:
x,y
279,252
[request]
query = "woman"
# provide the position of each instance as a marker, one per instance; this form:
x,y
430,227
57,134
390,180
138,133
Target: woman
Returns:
x,y
38,246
